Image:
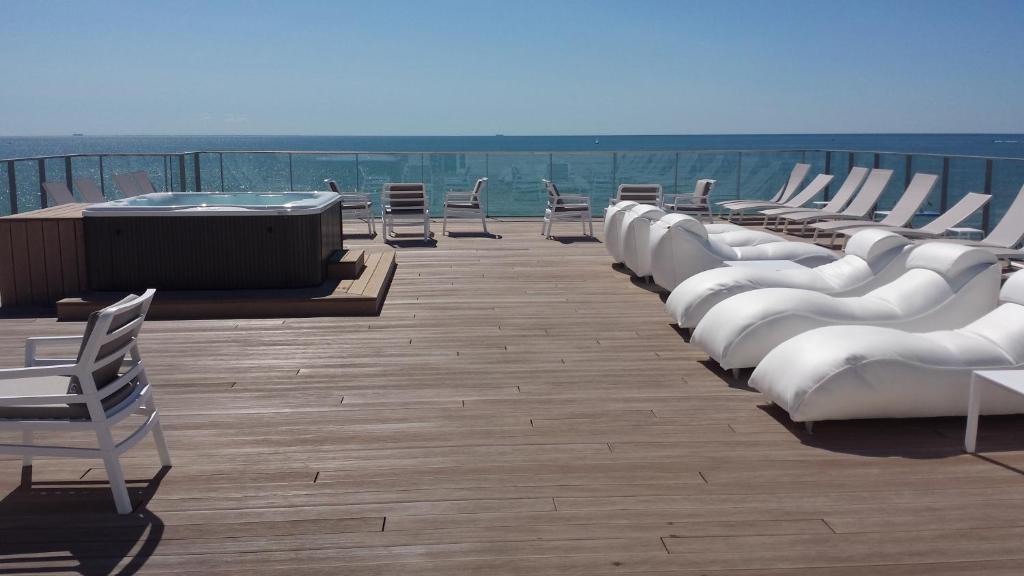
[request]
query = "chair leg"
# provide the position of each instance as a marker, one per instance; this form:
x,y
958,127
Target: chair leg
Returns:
x,y
26,439
426,229
444,225
118,486
483,220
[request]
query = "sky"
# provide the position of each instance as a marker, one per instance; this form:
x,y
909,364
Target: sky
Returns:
x,y
516,67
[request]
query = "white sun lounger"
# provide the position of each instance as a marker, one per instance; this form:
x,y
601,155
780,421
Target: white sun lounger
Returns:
x,y
945,285
89,190
846,372
681,247
852,183
858,209
1008,234
872,258
921,185
796,177
962,210
57,193
815,187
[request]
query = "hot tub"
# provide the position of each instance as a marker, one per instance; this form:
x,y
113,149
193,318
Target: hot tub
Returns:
x,y
212,241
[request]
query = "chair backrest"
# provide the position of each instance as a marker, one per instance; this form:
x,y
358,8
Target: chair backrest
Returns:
x,y
969,204
405,196
479,188
332,186
915,195
869,193
111,335
810,191
89,190
553,196
640,193
1010,230
702,190
58,193
127,184
850,186
796,177
143,182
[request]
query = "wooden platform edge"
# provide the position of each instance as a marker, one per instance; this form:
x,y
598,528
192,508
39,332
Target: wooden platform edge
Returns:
x,y
294,303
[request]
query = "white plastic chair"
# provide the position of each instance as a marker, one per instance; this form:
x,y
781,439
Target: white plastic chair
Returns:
x,y
89,190
355,205
105,384
565,207
466,205
639,193
57,193
796,177
696,203
405,203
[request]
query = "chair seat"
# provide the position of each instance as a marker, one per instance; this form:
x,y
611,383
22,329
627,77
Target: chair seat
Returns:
x,y
355,206
473,205
46,386
572,208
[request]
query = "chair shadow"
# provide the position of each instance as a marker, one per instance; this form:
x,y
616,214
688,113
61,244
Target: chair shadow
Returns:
x,y
49,526
479,234
575,239
359,236
912,438
411,240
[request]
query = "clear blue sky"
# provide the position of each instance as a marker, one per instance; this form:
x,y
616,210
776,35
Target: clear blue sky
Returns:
x,y
377,67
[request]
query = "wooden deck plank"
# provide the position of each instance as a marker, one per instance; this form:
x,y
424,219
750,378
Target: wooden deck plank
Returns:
x,y
518,406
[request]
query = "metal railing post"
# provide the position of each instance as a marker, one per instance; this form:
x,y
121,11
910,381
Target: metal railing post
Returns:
x,y
828,171
12,187
195,166
944,190
906,171
291,174
221,161
182,177
487,174
739,174
675,175
68,179
42,178
103,187
986,212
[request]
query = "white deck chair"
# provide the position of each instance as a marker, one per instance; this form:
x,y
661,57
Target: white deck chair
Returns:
x,y
565,207
639,193
127,184
99,389
405,203
796,177
854,179
815,187
858,209
698,203
89,190
1008,234
921,185
962,210
355,205
944,286
57,193
466,205
846,372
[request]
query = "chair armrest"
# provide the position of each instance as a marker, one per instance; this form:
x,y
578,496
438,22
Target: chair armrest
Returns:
x,y
37,371
574,199
31,344
467,196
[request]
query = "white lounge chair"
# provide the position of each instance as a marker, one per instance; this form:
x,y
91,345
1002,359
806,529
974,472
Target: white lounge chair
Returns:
x,y
796,177
854,179
636,226
639,193
100,388
681,247
1006,237
405,203
846,372
355,206
89,190
921,185
466,205
937,228
57,193
613,217
127,184
858,209
698,203
565,207
872,258
143,182
945,285
815,187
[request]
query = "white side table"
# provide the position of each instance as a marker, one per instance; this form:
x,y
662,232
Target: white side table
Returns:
x,y
1012,380
769,264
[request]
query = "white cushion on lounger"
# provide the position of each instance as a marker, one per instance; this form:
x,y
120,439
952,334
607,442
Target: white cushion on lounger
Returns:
x,y
873,258
613,216
681,247
945,285
636,226
843,372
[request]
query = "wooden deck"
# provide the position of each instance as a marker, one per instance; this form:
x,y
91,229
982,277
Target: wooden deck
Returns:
x,y
519,407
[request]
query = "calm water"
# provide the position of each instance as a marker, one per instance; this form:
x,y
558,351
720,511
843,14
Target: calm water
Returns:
x,y
1002,145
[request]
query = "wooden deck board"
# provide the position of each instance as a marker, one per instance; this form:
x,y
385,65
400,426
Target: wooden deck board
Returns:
x,y
518,407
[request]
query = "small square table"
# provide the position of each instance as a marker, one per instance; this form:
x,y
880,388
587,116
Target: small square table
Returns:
x,y
1012,380
765,264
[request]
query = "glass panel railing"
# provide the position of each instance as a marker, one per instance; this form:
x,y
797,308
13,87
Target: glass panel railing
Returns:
x,y
839,166
647,168
85,168
724,167
27,174
762,174
55,172
514,186
965,175
6,206
255,172
587,174
154,166
898,182
1007,183
310,170
211,172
